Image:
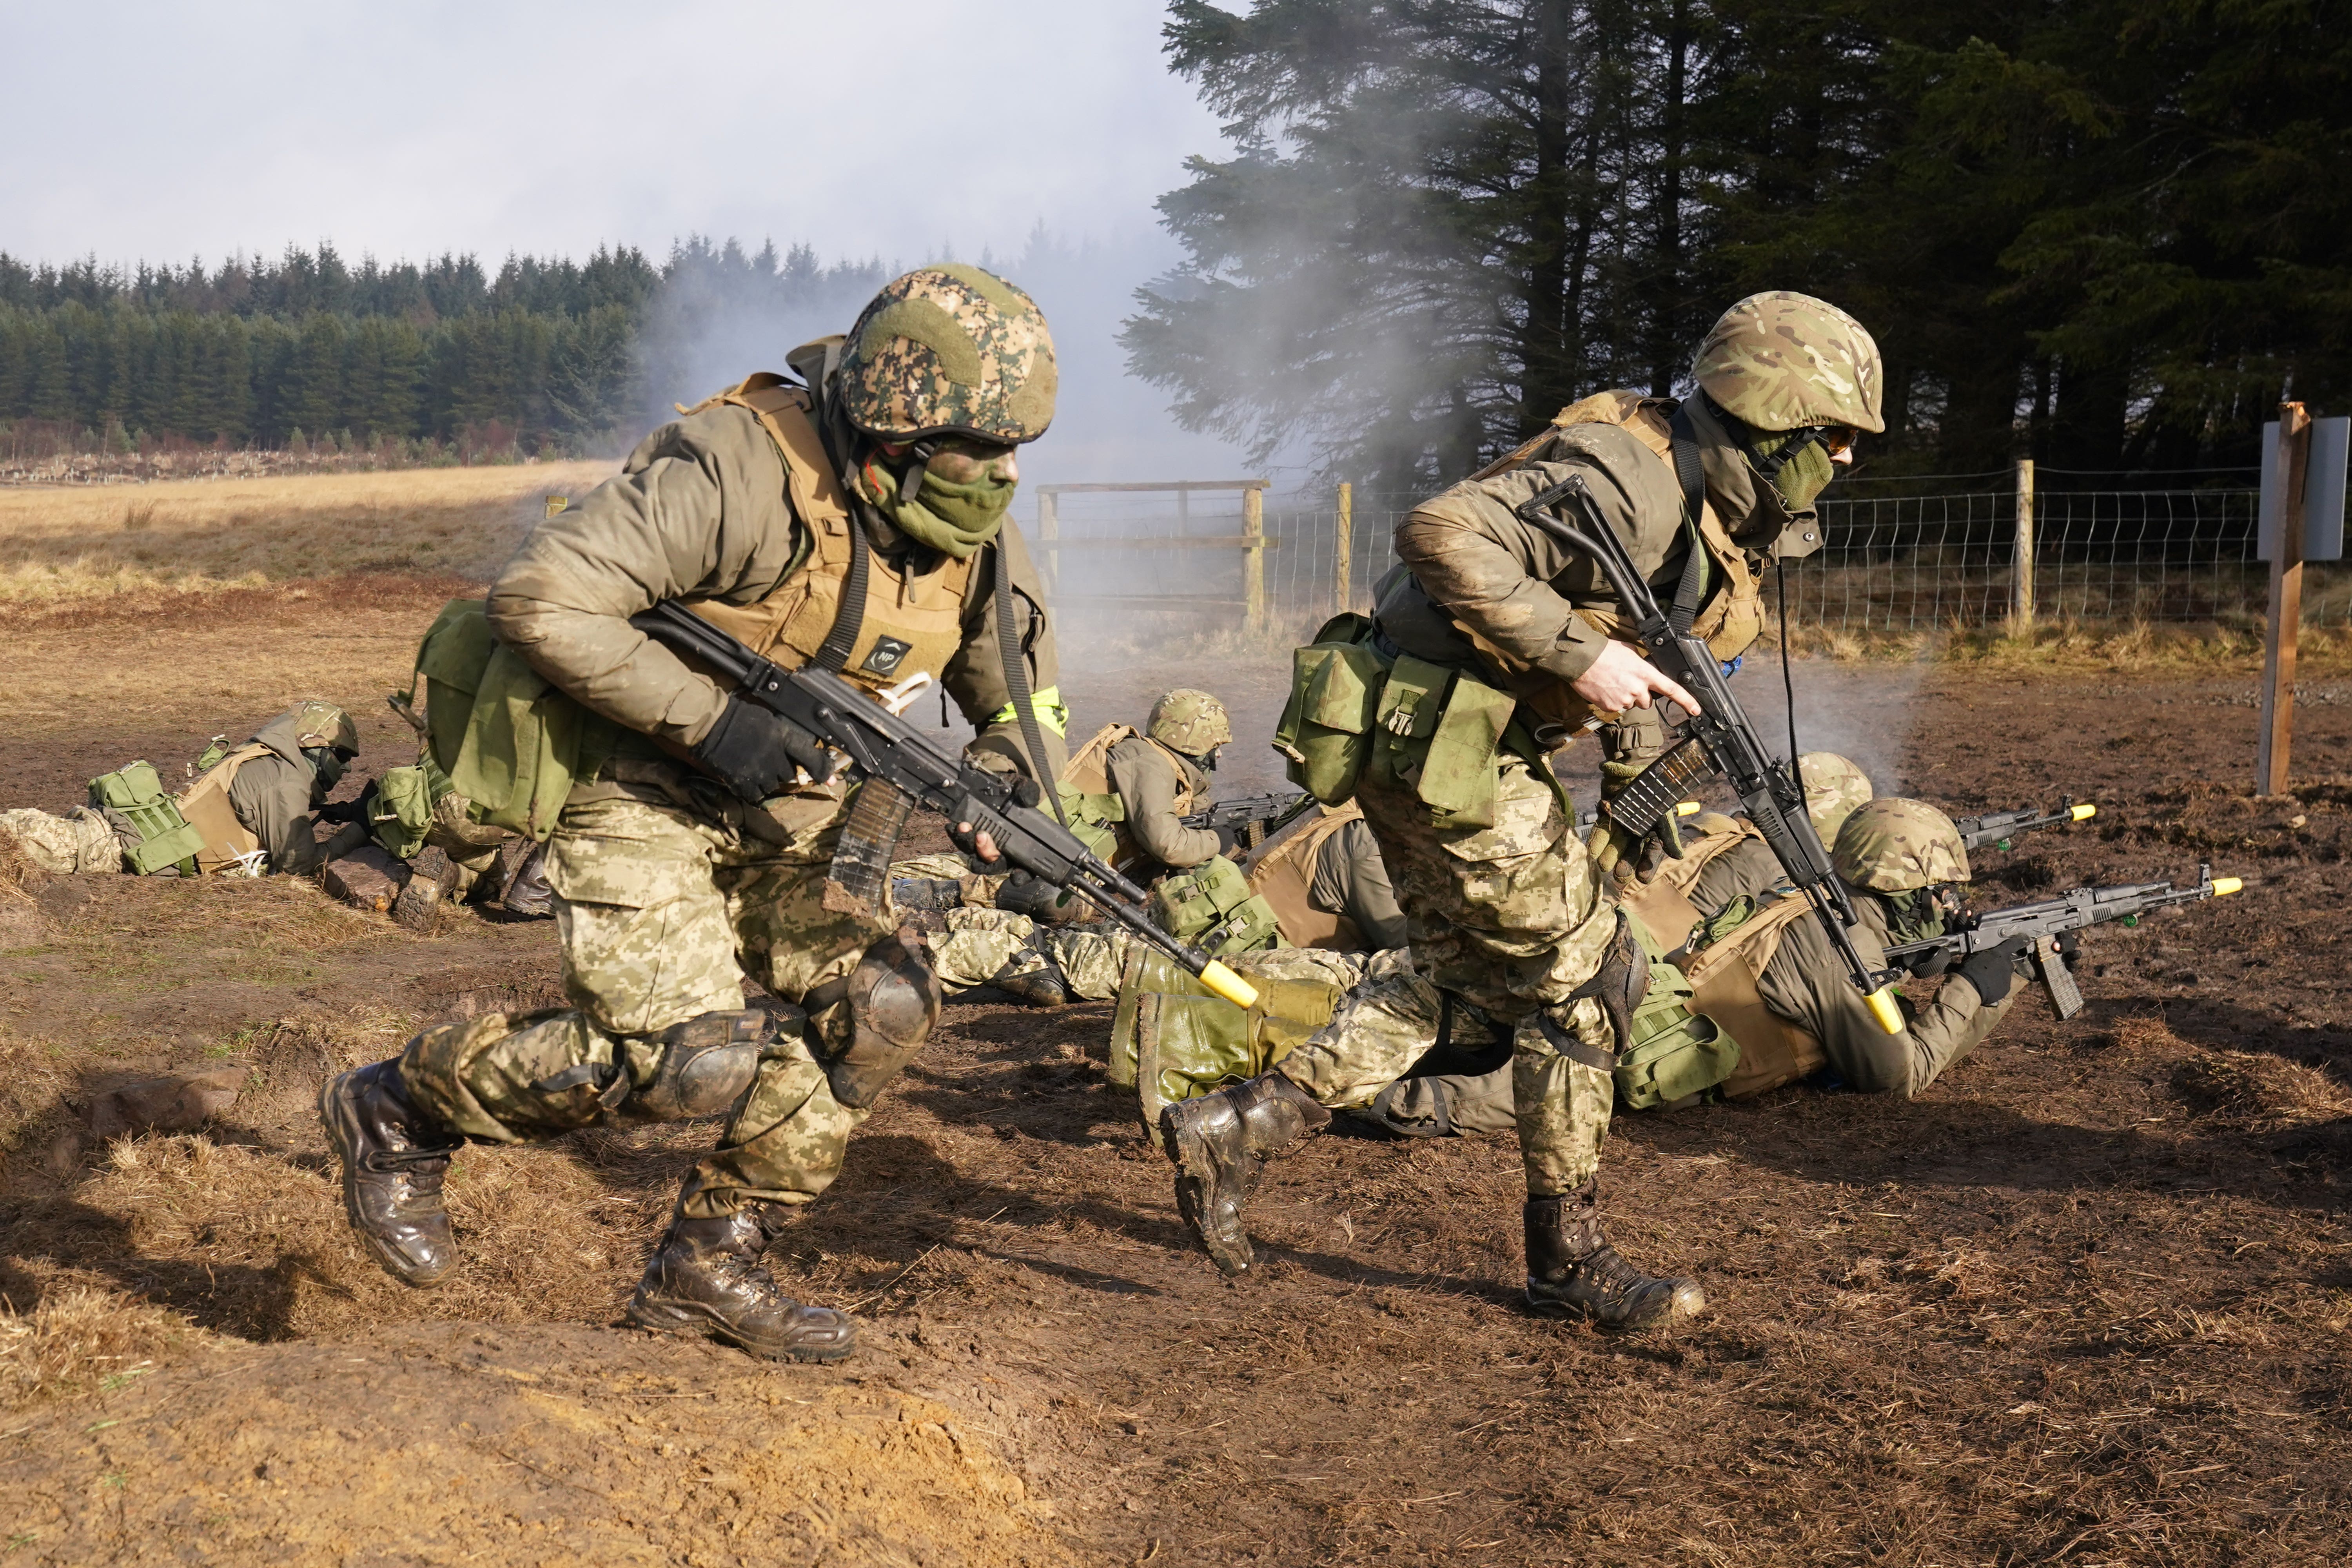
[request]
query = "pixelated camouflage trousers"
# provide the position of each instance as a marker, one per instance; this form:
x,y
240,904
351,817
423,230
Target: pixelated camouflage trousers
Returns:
x,y
661,910
1510,918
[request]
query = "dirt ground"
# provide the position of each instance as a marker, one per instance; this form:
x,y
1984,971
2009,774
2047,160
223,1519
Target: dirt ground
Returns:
x,y
2086,1302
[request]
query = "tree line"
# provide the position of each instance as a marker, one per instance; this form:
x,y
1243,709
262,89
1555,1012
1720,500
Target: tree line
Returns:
x,y
568,356
2106,233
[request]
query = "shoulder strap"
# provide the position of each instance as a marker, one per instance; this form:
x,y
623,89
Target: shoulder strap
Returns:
x,y
1692,478
1017,677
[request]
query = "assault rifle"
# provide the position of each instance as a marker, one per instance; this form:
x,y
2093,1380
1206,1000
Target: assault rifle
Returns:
x,y
904,766
1720,739
1998,829
1585,821
2042,924
1254,818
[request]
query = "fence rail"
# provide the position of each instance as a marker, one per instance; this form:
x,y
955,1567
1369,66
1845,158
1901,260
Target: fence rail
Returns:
x,y
1963,552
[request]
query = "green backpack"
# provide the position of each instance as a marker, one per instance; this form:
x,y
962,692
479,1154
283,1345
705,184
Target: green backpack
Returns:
x,y
156,835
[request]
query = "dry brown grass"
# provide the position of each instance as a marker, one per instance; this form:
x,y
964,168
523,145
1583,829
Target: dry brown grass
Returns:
x,y
71,543
2189,649
2258,1091
77,1341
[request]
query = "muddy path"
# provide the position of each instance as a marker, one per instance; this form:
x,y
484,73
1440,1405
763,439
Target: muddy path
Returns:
x,y
2086,1301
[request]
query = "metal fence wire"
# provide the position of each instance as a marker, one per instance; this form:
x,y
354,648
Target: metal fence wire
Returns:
x,y
1938,553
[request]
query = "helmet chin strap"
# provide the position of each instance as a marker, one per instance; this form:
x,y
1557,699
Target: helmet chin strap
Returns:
x,y
1745,434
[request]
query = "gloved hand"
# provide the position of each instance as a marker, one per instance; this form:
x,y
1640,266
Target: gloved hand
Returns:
x,y
754,752
2069,946
1229,840
970,838
1994,971
1933,962
1622,855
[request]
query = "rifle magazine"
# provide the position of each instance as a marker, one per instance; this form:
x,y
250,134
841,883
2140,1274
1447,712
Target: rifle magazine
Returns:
x,y
858,883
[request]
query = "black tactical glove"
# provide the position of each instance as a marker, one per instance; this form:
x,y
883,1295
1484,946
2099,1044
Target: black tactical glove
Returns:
x,y
1994,971
1229,840
1933,962
754,752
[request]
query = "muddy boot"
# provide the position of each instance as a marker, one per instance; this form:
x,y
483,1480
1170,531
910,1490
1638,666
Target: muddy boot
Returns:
x,y
1041,901
1034,978
705,1282
1572,1271
1221,1143
394,1156
926,893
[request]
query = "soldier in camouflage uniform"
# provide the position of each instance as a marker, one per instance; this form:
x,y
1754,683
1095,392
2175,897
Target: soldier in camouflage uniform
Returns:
x,y
1506,912
699,847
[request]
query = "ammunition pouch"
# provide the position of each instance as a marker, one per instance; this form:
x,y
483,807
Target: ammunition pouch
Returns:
x,y
894,1002
147,822
402,813
1189,1046
1212,907
1325,727
1670,1053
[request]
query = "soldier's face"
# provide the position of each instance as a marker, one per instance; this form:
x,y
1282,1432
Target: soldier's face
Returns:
x,y
961,460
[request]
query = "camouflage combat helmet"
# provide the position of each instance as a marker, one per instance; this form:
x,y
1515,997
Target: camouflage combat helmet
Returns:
x,y
1785,361
1896,846
318,723
1834,787
949,350
1189,721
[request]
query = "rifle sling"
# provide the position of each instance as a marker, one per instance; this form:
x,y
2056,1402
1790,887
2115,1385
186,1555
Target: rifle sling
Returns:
x,y
1692,478
1016,680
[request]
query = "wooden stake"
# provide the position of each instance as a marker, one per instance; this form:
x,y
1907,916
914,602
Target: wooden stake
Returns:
x,y
1343,549
2287,603
1253,557
2022,605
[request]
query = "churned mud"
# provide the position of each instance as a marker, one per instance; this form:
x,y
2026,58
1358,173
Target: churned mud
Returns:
x,y
2085,1302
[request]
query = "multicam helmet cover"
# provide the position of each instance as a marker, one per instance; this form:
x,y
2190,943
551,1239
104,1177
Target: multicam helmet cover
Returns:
x,y
1785,362
1189,721
1834,788
949,350
1896,846
318,723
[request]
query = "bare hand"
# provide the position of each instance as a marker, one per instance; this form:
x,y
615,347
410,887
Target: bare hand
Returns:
x,y
1620,678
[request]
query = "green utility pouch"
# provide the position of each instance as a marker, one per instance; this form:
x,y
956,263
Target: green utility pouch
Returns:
x,y
1334,691
1440,733
133,796
506,740
405,799
1188,1045
1676,1054
1212,907
1091,818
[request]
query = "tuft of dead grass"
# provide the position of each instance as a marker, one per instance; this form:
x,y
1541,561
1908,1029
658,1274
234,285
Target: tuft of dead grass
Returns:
x,y
2258,1091
213,535
80,1340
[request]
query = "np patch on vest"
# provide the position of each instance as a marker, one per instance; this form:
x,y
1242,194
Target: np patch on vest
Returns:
x,y
888,654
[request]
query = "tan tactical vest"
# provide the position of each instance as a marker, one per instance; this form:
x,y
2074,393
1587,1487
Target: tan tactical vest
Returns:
x,y
1085,784
1772,1050
912,624
205,805
1663,901
1284,877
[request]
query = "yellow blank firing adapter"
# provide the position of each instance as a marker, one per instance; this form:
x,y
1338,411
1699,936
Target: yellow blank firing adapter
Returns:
x,y
1687,808
2224,885
1883,1008
2085,812
1228,984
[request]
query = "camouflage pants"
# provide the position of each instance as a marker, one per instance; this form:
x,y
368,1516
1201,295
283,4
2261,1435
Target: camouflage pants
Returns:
x,y
979,944
1510,918
661,910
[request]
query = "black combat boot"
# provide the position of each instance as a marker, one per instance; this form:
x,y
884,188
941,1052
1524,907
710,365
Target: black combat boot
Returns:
x,y
394,1155
1034,978
1573,1271
1221,1143
705,1281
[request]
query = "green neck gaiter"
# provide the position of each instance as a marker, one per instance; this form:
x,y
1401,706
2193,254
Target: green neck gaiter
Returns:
x,y
954,520
1910,917
1803,477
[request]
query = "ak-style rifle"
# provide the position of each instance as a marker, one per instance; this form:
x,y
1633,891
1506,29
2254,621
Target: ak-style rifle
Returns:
x,y
1719,737
1998,829
903,767
2042,923
1254,818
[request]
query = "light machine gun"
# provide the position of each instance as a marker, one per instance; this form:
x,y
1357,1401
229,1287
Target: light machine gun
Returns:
x,y
2042,924
1254,818
1997,829
902,767
1719,737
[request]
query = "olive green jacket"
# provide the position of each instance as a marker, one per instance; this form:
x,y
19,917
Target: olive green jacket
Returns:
x,y
1465,556
1351,880
699,510
277,798
1148,779
1807,984
1748,867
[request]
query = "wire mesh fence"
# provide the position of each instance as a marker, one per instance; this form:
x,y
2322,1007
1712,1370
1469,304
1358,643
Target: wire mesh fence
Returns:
x,y
1935,553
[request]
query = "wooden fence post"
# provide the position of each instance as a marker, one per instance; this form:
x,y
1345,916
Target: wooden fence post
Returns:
x,y
1253,556
2287,603
1343,551
1049,535
2022,605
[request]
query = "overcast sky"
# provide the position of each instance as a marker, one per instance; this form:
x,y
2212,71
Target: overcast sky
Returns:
x,y
905,130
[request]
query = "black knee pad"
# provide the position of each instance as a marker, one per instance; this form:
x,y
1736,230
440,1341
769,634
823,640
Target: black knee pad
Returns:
x,y
707,1063
894,1003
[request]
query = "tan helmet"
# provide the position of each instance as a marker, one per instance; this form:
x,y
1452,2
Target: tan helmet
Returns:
x,y
1785,362
1895,845
318,723
950,350
1189,721
1833,788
